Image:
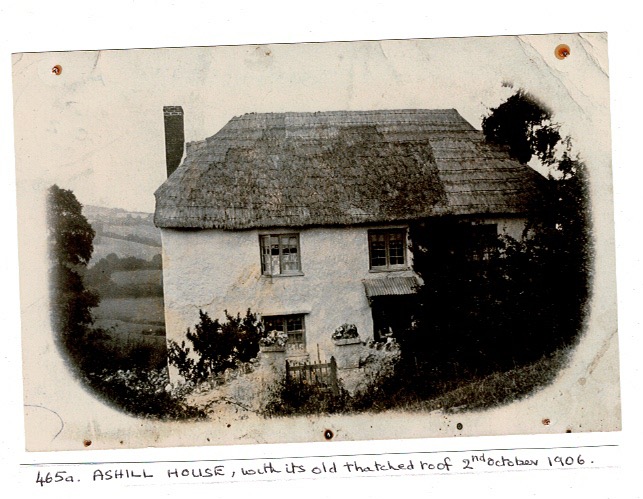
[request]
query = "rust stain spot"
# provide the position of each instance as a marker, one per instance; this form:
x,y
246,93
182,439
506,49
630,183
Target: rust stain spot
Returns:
x,y
87,443
568,430
57,69
268,52
562,51
546,421
328,434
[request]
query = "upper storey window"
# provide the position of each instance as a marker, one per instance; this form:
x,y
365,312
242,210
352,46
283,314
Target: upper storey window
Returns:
x,y
280,254
387,249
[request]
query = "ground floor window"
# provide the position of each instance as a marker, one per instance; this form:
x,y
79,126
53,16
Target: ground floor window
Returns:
x,y
293,325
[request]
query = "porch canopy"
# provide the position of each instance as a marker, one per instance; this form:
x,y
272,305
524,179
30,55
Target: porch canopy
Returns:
x,y
390,286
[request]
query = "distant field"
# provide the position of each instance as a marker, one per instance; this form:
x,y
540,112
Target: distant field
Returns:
x,y
139,230
138,277
133,324
147,311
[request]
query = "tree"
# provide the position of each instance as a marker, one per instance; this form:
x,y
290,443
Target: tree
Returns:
x,y
527,298
560,220
524,125
70,238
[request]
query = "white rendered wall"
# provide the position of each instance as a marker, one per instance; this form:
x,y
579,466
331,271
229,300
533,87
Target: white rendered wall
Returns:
x,y
216,270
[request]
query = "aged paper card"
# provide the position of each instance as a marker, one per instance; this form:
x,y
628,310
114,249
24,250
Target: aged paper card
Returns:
x,y
351,196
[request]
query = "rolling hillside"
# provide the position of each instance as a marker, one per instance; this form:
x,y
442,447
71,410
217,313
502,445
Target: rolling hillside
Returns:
x,y
130,312
123,233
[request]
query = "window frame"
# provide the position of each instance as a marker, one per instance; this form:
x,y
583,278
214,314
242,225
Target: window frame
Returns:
x,y
482,241
265,262
387,232
300,344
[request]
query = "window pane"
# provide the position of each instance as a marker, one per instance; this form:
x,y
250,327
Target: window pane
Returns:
x,y
266,267
275,264
289,250
396,250
295,322
378,254
274,324
296,337
295,329
274,247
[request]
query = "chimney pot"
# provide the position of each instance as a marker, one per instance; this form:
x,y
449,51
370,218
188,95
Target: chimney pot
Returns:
x,y
174,137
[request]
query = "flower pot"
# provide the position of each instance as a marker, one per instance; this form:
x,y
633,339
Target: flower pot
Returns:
x,y
347,341
272,348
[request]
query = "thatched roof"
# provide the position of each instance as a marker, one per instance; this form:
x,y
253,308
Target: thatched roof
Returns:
x,y
341,168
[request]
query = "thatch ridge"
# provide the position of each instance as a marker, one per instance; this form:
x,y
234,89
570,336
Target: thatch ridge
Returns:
x,y
340,168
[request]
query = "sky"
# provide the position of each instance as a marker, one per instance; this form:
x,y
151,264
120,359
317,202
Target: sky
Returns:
x,y
97,127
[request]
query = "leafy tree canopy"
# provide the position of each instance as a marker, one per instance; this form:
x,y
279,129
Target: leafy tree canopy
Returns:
x,y
524,125
523,299
71,245
70,234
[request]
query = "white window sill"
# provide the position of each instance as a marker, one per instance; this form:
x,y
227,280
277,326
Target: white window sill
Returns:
x,y
292,274
389,269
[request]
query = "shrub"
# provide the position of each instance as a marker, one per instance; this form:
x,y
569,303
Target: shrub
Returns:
x,y
295,397
216,346
143,392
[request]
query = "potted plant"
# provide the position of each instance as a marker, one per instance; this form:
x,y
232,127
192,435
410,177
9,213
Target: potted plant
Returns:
x,y
273,341
346,334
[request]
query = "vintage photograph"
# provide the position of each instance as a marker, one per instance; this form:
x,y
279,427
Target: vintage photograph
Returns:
x,y
287,243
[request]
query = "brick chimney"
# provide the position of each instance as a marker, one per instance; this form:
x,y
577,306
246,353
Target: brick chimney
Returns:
x,y
174,137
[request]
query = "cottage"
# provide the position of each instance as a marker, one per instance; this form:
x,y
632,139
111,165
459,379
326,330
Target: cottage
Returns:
x,y
303,217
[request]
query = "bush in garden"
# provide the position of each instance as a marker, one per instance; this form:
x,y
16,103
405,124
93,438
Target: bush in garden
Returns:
x,y
143,392
216,346
295,397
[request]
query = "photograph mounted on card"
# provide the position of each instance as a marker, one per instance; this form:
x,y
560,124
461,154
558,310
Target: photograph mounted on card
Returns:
x,y
320,241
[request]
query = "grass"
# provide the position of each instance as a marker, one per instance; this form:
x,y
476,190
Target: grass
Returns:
x,y
143,310
499,388
134,326
385,393
133,277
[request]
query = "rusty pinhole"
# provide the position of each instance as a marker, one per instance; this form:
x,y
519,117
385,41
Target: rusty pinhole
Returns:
x,y
328,434
546,421
459,426
87,443
57,69
562,51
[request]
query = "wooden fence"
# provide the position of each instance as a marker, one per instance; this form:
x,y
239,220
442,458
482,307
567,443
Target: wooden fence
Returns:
x,y
323,375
